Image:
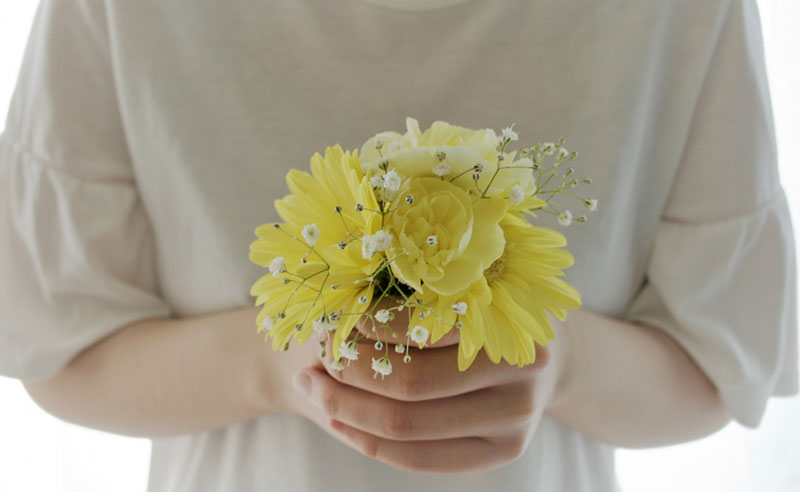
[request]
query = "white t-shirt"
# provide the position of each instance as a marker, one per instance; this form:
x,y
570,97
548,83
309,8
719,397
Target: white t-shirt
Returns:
x,y
147,139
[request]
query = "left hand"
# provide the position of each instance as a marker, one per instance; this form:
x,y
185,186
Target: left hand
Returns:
x,y
428,416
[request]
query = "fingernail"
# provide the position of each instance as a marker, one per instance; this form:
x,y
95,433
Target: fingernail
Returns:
x,y
302,383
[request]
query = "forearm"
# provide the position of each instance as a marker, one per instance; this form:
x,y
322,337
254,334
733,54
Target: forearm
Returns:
x,y
631,385
163,377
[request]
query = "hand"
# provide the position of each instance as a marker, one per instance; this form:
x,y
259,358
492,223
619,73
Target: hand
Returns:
x,y
428,416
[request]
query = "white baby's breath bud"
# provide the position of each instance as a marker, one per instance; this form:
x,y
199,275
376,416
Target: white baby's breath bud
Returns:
x,y
277,266
362,300
407,359
267,322
409,199
392,181
478,167
337,209
349,350
565,218
419,334
342,245
399,348
459,325
432,240
378,143
383,163
378,345
310,233
382,366
563,153
476,176
337,365
359,207
376,181
441,155
460,307
422,315
581,219
548,148
304,260
383,315
516,195
510,134
442,169
591,204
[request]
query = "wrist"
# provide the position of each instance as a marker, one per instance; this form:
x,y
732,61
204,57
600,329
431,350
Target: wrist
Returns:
x,y
561,350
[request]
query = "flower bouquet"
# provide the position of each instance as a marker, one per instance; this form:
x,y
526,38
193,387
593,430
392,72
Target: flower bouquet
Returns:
x,y
432,225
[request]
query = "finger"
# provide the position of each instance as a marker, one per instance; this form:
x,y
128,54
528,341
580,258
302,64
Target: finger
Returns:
x,y
430,374
489,412
440,456
396,332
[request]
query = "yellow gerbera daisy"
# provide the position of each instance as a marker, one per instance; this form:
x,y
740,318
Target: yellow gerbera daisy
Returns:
x,y
318,276
505,312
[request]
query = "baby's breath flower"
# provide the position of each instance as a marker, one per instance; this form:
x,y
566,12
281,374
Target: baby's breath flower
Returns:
x,y
382,366
383,315
399,348
362,300
349,350
376,181
516,195
323,324
392,181
441,169
510,134
419,334
277,266
407,359
441,155
395,146
432,240
460,307
382,240
267,322
337,365
367,247
311,234
565,218
591,204
378,143
563,153
548,148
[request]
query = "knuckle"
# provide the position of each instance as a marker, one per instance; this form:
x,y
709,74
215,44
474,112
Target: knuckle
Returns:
x,y
515,447
330,403
523,408
397,425
415,385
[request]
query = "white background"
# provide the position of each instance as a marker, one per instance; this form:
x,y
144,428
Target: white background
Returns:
x,y
41,453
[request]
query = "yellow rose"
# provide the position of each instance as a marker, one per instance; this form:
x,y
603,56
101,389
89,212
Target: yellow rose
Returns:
x,y
446,238
449,152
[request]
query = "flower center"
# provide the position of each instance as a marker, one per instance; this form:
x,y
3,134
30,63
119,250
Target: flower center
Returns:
x,y
495,270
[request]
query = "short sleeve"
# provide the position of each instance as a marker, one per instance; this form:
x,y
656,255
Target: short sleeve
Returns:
x,y
721,278
76,249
